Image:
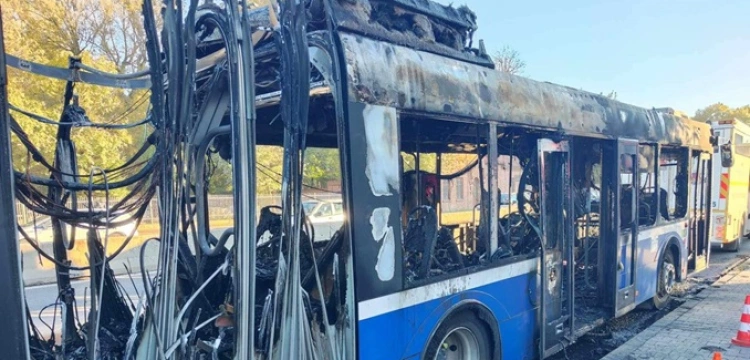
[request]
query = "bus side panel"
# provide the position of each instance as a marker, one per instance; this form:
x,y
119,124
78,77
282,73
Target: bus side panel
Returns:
x,y
651,243
403,333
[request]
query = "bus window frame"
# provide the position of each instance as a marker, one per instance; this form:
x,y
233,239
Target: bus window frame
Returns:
x,y
655,168
685,153
483,128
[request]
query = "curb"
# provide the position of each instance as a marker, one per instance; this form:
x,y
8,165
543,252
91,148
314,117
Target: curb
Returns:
x,y
624,351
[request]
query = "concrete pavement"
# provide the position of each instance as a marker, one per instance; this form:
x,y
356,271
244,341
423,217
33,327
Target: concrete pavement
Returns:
x,y
704,324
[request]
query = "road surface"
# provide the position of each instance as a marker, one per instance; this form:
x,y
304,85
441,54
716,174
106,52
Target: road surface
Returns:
x,y
44,313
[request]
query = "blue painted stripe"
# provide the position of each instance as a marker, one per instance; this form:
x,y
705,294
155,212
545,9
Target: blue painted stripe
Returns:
x,y
403,333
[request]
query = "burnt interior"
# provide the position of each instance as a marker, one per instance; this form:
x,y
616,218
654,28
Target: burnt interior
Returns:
x,y
446,229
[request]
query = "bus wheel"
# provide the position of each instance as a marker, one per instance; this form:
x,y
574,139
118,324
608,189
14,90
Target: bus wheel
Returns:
x,y
736,245
666,281
461,336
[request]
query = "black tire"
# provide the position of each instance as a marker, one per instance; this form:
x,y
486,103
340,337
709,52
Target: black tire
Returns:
x,y
455,329
735,245
667,275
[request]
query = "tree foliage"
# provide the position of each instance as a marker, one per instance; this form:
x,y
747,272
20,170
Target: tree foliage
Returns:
x,y
104,34
720,111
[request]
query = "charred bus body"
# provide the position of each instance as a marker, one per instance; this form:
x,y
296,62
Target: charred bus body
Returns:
x,y
397,91
611,201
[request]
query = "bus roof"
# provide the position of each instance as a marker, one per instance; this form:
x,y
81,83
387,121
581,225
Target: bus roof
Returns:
x,y
733,123
383,73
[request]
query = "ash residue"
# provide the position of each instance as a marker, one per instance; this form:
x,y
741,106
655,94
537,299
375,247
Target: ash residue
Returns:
x,y
604,339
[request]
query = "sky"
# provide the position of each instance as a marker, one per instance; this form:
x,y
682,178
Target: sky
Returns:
x,y
683,54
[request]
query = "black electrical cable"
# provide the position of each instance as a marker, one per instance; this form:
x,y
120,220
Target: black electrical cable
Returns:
x,y
74,186
44,120
79,268
303,184
39,157
29,196
139,74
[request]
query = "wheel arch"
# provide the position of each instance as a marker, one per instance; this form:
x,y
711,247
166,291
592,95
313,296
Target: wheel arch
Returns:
x,y
673,246
482,312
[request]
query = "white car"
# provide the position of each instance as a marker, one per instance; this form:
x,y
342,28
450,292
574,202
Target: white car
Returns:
x,y
41,230
326,216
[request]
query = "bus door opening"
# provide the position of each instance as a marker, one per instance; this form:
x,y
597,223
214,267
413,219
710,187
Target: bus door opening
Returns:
x,y
557,245
623,267
698,239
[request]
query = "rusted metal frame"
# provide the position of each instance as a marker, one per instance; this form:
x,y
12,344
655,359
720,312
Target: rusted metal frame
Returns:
x,y
561,246
707,210
339,88
493,185
510,189
344,19
13,334
501,97
447,14
692,212
542,322
568,239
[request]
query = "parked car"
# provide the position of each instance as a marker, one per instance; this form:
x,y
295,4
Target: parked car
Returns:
x,y
41,229
326,216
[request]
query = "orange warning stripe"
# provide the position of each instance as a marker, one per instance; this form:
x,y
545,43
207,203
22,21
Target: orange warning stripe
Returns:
x,y
724,190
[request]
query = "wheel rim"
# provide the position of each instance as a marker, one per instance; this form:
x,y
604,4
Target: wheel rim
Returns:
x,y
459,343
668,278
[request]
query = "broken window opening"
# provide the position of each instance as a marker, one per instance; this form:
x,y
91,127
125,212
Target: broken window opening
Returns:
x,y
324,240
673,181
587,185
518,194
588,160
647,197
443,233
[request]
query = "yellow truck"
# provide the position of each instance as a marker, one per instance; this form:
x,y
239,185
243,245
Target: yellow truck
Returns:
x,y
730,185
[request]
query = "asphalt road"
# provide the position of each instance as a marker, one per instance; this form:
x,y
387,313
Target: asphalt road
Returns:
x,y
41,298
45,314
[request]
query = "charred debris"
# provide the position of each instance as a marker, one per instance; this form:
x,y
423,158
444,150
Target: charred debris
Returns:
x,y
206,300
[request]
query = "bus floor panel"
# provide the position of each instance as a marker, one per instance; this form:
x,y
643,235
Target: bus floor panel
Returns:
x,y
587,316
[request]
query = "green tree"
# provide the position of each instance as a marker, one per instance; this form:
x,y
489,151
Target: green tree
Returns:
x,y
321,165
720,111
270,162
106,35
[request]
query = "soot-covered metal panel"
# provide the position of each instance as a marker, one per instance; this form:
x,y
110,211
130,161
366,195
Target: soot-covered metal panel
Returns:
x,y
419,24
382,73
376,231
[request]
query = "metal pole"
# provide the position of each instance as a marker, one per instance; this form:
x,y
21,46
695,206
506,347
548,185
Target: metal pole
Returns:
x,y
14,333
493,213
243,136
